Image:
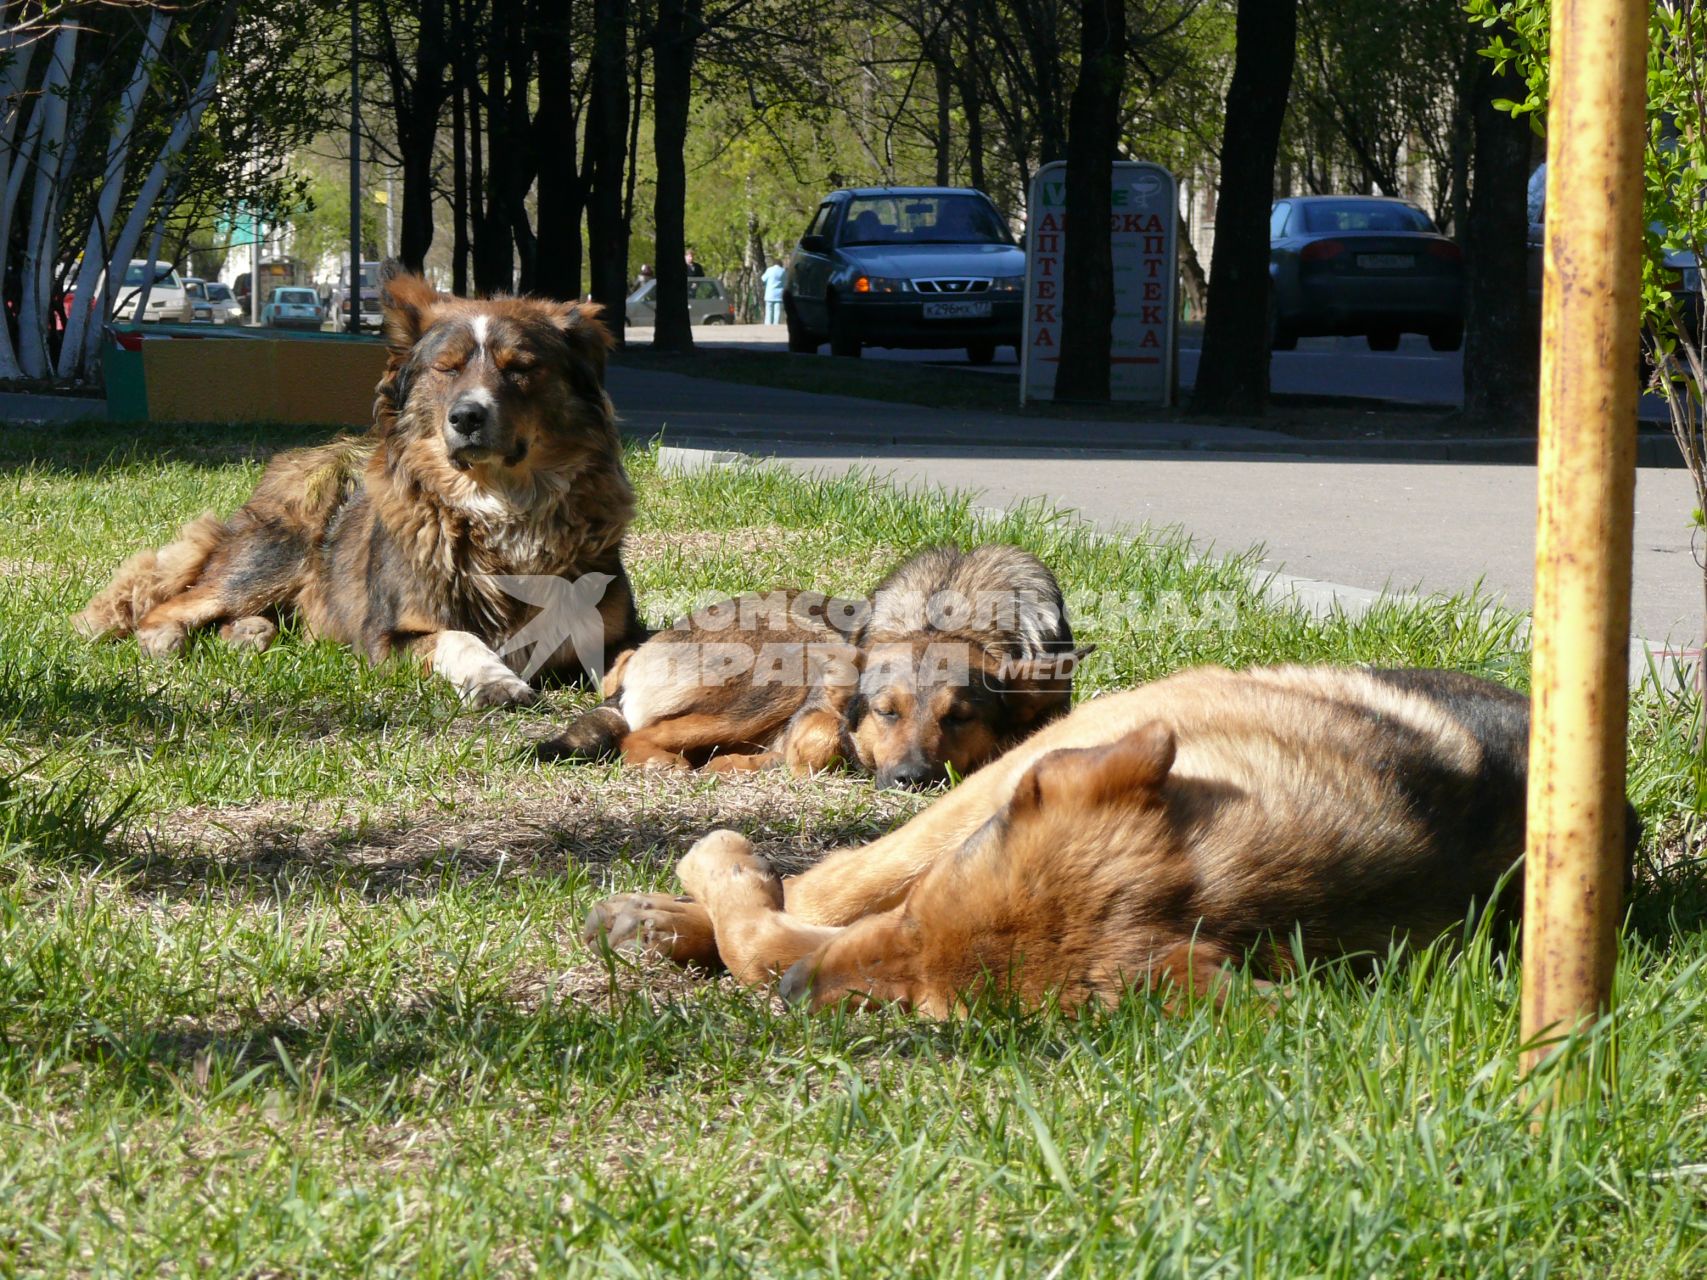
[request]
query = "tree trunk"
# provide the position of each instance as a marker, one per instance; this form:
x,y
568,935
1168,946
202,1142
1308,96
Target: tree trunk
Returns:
x,y
1232,376
124,245
970,104
1087,269
1502,332
71,351
34,278
944,106
520,160
494,251
418,134
672,61
557,261
459,192
607,159
1191,272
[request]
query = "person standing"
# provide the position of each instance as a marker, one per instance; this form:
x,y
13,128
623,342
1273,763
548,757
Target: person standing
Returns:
x,y
694,269
772,279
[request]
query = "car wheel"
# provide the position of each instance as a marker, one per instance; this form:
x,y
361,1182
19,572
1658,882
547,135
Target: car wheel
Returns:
x,y
1448,338
1386,340
980,352
712,320
800,341
843,340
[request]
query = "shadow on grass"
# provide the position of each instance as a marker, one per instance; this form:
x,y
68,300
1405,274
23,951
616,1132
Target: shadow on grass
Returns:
x,y
88,448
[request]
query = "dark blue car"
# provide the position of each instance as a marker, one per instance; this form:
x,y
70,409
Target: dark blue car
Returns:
x,y
931,267
1362,265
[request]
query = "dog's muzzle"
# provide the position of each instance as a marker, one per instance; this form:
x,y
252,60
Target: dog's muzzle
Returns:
x,y
475,432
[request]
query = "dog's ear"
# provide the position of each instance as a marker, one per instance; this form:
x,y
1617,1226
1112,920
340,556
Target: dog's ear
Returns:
x,y
1130,770
585,332
1038,687
407,301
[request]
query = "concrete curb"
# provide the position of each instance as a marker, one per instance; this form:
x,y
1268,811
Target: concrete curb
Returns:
x,y
1649,659
22,406
1651,450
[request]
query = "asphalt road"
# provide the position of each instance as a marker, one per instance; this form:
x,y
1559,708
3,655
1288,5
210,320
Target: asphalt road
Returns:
x,y
1397,525
1320,366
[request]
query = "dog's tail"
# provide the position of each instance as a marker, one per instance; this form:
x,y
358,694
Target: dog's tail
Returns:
x,y
597,735
148,579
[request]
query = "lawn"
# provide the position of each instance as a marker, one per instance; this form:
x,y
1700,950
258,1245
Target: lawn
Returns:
x,y
290,980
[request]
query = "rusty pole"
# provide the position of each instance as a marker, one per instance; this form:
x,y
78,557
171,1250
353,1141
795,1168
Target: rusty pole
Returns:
x,y
1587,479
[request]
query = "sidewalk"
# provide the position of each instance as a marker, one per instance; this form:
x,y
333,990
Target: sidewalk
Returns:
x,y
714,413
1350,524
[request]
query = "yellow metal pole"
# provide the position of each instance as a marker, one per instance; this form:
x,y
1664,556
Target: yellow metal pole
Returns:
x,y
1587,478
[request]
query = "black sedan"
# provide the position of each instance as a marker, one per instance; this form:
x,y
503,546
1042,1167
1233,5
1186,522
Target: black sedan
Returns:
x,y
930,267
1362,265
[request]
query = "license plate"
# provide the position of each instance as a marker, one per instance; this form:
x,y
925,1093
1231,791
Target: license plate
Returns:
x,y
1386,261
960,309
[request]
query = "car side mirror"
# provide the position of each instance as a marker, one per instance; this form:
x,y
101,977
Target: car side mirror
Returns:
x,y
814,244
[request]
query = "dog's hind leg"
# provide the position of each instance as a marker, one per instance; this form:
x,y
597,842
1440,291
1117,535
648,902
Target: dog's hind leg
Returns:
x,y
166,629
149,579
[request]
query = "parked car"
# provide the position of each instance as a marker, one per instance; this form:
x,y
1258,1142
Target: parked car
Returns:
x,y
226,308
931,267
1365,265
201,310
292,307
707,303
372,315
167,301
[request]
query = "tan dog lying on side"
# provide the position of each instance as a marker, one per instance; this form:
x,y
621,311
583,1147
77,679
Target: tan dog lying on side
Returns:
x,y
1153,835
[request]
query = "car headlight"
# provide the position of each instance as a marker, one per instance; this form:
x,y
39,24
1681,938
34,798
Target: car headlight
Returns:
x,y
881,284
1007,284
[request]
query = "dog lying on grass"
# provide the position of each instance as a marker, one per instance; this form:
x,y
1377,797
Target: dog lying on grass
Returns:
x,y
956,658
1153,836
494,453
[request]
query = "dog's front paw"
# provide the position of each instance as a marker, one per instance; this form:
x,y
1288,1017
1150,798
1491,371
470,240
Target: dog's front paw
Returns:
x,y
167,640
253,632
507,692
660,924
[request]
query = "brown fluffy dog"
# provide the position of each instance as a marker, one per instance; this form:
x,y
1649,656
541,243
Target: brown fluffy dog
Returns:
x,y
955,658
493,452
1153,835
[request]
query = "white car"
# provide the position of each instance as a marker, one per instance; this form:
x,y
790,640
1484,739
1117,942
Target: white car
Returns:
x,y
292,307
201,310
707,303
168,303
226,308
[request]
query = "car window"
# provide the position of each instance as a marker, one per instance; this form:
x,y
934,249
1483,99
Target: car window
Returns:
x,y
926,219
1277,221
704,288
218,293
644,292
820,224
1364,215
196,289
295,295
163,275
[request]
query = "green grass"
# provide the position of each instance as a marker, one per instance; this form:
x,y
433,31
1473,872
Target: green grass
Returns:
x,y
290,984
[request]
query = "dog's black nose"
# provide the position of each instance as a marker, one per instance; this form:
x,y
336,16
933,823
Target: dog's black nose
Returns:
x,y
468,418
913,774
